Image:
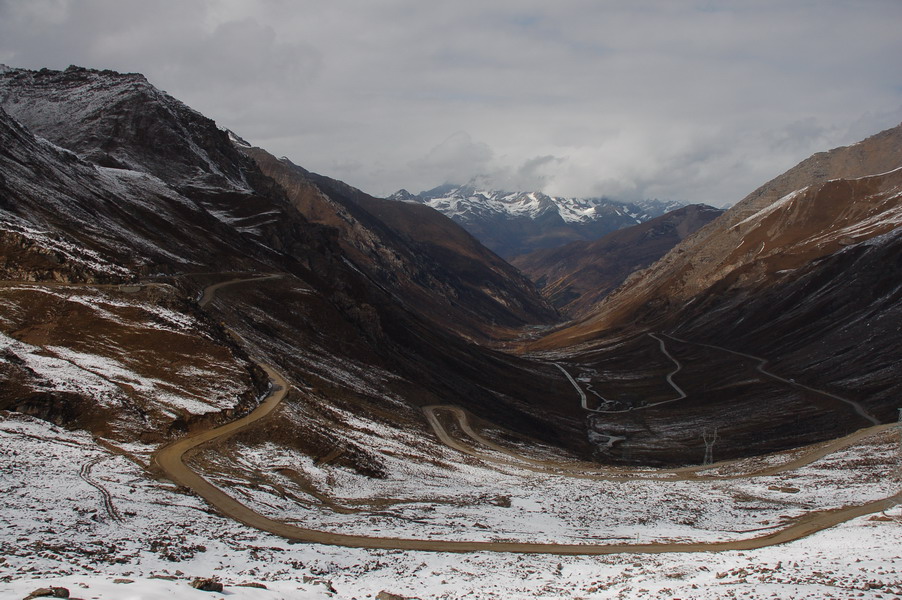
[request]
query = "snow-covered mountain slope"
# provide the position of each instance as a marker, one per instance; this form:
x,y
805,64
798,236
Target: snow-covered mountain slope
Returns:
x,y
122,121
86,517
513,223
125,362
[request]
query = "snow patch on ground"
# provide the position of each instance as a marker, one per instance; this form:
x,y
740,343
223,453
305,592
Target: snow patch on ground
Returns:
x,y
455,495
96,367
54,531
771,208
73,252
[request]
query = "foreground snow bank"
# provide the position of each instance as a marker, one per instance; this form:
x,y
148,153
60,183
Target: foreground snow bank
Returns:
x,y
57,530
142,588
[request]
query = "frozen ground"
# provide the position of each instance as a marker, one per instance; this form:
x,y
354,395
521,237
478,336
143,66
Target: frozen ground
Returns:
x,y
56,529
451,496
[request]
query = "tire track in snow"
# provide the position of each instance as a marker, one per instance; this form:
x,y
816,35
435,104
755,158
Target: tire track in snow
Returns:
x,y
107,498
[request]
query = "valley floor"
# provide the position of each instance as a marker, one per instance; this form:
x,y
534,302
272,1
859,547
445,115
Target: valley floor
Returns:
x,y
86,516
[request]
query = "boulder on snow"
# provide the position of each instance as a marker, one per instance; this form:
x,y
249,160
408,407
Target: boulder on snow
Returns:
x,y
207,584
383,595
49,592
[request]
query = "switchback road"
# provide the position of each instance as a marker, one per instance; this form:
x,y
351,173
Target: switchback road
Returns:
x,y
171,460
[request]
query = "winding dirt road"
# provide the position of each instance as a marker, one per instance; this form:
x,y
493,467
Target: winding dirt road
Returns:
x,y
582,395
171,459
856,406
859,409
210,291
589,471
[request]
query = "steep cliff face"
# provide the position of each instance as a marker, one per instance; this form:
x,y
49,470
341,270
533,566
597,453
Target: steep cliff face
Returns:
x,y
575,277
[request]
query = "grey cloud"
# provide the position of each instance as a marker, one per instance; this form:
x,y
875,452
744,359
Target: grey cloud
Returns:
x,y
534,173
692,100
456,159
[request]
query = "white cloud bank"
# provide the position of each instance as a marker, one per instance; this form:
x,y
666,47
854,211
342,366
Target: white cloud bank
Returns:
x,y
697,101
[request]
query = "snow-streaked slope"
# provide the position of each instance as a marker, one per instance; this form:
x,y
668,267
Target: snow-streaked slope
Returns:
x,y
62,216
469,202
124,361
152,539
829,201
93,114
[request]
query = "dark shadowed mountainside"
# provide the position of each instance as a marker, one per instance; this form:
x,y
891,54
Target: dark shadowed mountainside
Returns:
x,y
577,276
360,309
782,313
427,261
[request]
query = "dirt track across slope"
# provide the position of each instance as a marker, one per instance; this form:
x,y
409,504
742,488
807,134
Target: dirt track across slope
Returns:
x,y
210,291
856,406
588,471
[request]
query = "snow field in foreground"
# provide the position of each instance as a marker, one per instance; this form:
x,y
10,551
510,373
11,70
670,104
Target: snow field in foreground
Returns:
x,y
55,530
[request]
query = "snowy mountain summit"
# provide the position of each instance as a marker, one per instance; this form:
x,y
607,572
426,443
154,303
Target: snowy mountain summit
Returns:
x,y
513,223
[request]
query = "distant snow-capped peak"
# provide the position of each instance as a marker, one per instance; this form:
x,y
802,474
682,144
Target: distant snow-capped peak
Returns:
x,y
467,202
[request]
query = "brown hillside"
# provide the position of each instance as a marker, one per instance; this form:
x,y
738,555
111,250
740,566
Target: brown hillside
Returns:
x,y
575,277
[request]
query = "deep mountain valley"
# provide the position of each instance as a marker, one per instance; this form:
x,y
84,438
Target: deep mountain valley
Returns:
x,y
372,299
278,343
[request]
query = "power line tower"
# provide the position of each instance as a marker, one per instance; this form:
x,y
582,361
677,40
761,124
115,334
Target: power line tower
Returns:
x,y
709,439
899,449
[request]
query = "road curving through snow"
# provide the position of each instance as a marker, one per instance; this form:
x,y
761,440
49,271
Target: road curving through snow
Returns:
x,y
171,461
856,406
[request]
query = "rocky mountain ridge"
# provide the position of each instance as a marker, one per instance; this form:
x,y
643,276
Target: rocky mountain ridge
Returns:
x,y
830,200
121,121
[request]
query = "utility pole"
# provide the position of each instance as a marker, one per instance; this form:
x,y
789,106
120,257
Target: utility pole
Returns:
x,y
899,449
709,439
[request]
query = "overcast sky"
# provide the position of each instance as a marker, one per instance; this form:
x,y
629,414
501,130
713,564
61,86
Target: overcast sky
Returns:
x,y
688,100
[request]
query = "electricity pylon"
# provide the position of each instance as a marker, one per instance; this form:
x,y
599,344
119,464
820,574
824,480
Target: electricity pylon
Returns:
x,y
899,449
709,439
